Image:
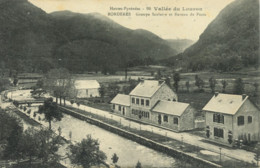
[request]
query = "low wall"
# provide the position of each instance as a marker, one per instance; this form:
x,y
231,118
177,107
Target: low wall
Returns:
x,y
195,161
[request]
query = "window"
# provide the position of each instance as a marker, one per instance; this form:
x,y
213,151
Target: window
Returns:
x,y
218,132
148,115
142,102
219,118
133,111
133,100
119,108
114,106
147,102
240,120
249,119
165,118
175,120
137,101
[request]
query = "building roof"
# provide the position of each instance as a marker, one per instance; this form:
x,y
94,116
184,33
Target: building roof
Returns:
x,y
86,84
121,99
146,88
225,103
170,107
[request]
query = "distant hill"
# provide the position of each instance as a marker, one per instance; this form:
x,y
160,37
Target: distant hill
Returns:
x,y
102,42
32,41
230,42
27,36
179,44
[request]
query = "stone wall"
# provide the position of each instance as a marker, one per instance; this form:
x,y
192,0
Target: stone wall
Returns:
x,y
195,161
186,120
164,93
248,131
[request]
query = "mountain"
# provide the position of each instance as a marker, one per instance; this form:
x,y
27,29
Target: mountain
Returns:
x,y
179,44
32,40
230,42
26,35
101,41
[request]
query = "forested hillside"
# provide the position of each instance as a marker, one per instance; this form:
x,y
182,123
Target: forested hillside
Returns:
x,y
34,41
230,42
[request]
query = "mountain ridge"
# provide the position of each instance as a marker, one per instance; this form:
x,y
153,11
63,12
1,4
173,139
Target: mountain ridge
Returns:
x,y
79,42
230,42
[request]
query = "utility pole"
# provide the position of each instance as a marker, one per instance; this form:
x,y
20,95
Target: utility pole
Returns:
x,y
182,140
220,155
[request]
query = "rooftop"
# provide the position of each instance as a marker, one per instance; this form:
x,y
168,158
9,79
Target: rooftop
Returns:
x,y
86,84
121,99
170,107
146,88
225,103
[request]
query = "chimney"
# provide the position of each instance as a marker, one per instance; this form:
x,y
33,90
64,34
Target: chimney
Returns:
x,y
160,82
216,94
142,81
243,96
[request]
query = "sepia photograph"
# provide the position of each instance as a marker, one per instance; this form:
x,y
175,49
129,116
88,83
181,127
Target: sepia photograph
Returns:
x,y
129,84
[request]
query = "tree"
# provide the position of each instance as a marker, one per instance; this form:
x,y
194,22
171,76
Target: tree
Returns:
x,y
199,82
256,85
102,91
212,84
86,153
113,90
239,86
114,158
34,115
158,75
51,111
138,165
187,84
60,83
224,85
28,145
48,145
78,104
11,130
39,84
168,81
176,78
4,83
15,81
257,153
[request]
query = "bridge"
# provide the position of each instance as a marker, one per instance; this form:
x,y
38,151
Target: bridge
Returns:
x,y
30,101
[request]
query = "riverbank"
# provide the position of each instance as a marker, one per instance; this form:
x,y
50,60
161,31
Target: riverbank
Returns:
x,y
195,161
166,140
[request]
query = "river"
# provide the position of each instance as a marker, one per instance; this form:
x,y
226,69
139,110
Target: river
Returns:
x,y
129,152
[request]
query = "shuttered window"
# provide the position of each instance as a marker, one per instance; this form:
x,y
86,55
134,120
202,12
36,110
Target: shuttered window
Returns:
x,y
175,120
240,120
249,119
137,101
219,118
218,132
165,118
133,100
147,102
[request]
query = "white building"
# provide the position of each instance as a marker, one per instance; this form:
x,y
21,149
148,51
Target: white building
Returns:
x,y
87,88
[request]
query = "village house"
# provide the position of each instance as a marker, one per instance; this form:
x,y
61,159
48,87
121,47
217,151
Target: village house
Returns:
x,y
87,88
175,115
232,117
121,104
154,102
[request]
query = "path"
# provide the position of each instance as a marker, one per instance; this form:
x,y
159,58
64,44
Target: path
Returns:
x,y
195,140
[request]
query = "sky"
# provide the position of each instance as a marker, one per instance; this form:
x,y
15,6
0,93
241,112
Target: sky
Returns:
x,y
177,26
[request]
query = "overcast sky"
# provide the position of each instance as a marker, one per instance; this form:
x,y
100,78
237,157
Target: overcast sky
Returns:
x,y
167,27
